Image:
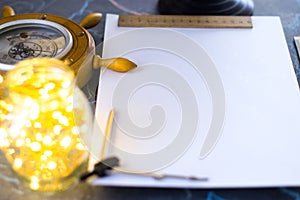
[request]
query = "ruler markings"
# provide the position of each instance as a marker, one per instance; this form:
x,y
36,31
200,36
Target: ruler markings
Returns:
x,y
179,21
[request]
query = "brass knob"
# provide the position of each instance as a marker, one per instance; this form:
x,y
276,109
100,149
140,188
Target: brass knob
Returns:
x,y
7,11
91,20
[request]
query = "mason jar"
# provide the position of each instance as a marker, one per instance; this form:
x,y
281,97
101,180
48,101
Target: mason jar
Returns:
x,y
45,124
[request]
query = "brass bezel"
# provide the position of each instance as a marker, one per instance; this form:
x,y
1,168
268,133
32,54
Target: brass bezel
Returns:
x,y
83,43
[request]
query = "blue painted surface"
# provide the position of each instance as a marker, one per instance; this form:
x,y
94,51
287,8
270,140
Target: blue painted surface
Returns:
x,y
82,10
291,193
213,196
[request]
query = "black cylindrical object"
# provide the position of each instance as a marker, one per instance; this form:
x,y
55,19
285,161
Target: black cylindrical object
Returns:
x,y
206,7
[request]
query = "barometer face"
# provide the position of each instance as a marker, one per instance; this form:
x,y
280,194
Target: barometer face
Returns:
x,y
34,35
29,38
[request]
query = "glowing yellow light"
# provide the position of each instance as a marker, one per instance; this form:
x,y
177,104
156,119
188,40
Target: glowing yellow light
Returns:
x,y
43,157
20,142
75,130
63,120
28,101
14,131
1,79
57,129
9,107
38,137
50,86
34,111
80,146
34,179
37,125
27,140
63,93
56,114
66,141
69,108
9,117
28,123
45,96
52,165
35,146
11,151
53,105
23,133
3,133
66,83
43,91
48,153
47,140
34,185
4,143
18,162
42,141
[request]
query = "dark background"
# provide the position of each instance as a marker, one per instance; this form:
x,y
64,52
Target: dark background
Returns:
x,y
76,10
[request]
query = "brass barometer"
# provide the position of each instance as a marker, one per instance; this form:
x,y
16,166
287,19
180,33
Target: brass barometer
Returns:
x,y
32,35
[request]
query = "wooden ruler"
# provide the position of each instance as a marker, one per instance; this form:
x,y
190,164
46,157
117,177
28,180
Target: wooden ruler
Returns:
x,y
179,21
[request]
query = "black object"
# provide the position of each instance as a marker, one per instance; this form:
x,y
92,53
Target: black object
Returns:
x,y
100,168
206,7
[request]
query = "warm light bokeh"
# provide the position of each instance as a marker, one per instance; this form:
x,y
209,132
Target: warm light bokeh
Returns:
x,y
42,121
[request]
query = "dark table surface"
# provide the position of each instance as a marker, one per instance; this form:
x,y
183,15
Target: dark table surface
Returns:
x,y
76,10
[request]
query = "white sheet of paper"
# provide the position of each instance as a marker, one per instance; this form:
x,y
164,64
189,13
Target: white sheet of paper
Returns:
x,y
215,103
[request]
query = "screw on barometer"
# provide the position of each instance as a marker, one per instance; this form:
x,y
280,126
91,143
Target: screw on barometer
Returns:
x,y
32,35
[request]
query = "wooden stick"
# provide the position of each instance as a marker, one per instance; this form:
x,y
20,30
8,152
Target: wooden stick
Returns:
x,y
107,133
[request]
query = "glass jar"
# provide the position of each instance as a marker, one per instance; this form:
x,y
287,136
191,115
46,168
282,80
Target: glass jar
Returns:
x,y
45,124
1,84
